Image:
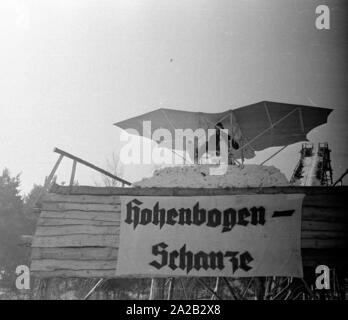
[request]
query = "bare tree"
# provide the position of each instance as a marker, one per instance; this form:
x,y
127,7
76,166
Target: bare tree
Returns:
x,y
114,166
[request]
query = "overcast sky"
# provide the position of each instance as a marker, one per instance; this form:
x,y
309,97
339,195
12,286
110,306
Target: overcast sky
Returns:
x,y
70,69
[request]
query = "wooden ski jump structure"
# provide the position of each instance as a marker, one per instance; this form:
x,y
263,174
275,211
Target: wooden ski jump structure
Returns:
x,y
78,233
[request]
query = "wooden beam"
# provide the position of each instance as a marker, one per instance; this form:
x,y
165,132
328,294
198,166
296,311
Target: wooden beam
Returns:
x,y
54,197
52,264
51,175
273,155
86,253
90,165
208,288
99,282
78,229
68,206
48,180
340,179
324,243
73,171
83,240
68,273
83,215
71,222
161,191
324,225
325,214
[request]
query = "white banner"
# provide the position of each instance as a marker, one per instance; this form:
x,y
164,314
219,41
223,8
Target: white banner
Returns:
x,y
230,236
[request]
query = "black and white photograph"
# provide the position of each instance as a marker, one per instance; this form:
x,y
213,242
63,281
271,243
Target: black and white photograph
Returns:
x,y
185,151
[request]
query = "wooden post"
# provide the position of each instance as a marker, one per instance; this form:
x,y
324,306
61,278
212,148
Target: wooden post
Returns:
x,y
99,282
259,288
232,291
49,178
90,165
273,155
216,289
209,289
157,289
73,170
183,289
170,289
151,295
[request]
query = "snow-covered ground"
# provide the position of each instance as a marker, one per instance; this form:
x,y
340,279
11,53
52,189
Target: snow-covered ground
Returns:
x,y
197,176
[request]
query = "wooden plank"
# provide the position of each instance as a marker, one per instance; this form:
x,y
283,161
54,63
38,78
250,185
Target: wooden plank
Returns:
x,y
115,230
82,240
54,197
87,253
328,253
324,244
325,214
306,225
309,213
89,190
53,264
113,241
340,263
67,206
67,222
313,218
324,234
324,225
67,273
105,203
325,200
330,257
76,229
99,216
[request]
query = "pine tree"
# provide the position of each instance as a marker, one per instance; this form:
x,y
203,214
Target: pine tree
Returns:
x,y
13,224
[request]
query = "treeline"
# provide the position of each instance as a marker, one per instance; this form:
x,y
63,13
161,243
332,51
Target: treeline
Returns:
x,y
17,217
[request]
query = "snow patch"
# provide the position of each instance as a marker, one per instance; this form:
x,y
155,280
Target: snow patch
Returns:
x,y
197,176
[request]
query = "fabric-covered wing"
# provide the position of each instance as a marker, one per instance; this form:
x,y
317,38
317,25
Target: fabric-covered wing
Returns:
x,y
269,124
171,119
255,127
